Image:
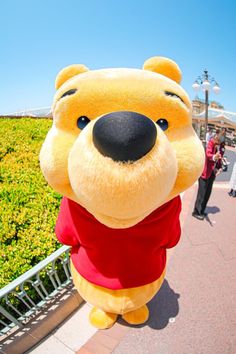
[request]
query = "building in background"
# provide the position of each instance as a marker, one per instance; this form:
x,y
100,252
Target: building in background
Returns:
x,y
217,118
199,105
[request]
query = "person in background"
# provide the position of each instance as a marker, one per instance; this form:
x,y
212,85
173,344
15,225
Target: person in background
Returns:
x,y
232,183
223,162
207,178
209,135
223,136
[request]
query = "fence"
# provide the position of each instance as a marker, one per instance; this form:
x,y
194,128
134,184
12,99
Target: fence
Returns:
x,y
23,298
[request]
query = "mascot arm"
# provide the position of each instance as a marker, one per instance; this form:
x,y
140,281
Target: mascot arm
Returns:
x,y
174,230
64,229
64,232
174,237
64,235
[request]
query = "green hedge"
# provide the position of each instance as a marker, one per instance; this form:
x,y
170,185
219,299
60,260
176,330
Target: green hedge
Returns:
x,y
28,206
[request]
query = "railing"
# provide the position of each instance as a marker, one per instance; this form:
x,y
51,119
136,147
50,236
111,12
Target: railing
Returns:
x,y
22,299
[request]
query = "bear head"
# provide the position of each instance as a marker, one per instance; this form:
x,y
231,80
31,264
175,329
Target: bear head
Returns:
x,y
122,142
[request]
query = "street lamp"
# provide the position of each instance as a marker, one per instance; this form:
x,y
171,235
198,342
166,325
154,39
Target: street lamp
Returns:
x,y
206,83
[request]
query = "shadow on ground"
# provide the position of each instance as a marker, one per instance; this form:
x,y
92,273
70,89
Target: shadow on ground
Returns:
x,y
163,307
212,210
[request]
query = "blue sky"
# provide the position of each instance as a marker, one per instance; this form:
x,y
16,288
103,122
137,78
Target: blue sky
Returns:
x,y
38,38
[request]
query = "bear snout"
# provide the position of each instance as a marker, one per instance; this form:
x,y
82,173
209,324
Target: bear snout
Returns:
x,y
124,135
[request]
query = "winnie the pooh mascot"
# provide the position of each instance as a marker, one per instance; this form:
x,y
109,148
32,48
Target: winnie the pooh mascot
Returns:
x,y
121,149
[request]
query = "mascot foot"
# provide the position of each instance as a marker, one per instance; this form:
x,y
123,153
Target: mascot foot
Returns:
x,y
138,316
101,319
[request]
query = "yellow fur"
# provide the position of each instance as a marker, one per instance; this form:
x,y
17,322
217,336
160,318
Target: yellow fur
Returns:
x,y
138,316
69,72
127,180
164,66
102,319
74,168
116,301
120,195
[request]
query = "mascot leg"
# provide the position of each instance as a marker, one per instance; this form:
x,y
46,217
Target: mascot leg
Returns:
x,y
138,316
101,319
108,303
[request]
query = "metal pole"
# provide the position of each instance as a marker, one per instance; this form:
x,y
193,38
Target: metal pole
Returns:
x,y
206,114
206,87
206,107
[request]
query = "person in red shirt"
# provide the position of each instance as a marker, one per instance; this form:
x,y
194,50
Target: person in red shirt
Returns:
x,y
205,182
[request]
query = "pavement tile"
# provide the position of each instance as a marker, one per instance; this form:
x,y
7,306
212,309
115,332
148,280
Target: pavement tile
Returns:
x,y
77,329
83,350
96,348
105,340
52,346
117,331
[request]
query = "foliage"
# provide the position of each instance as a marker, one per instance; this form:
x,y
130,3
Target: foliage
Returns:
x,y
28,206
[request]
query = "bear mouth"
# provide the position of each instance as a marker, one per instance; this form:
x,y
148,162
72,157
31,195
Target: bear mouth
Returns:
x,y
119,222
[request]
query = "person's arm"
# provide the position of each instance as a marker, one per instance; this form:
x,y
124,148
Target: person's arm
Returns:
x,y
218,172
222,149
210,152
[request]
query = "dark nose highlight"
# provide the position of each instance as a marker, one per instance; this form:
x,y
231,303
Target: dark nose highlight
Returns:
x,y
124,136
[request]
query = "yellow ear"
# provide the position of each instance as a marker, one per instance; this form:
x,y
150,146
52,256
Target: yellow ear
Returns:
x,y
68,72
164,66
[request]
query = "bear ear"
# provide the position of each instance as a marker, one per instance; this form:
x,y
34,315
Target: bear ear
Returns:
x,y
68,72
164,66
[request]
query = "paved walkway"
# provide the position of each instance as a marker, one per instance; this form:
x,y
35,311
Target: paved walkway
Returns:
x,y
194,312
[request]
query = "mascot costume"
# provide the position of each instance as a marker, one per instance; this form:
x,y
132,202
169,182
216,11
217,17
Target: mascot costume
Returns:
x,y
121,149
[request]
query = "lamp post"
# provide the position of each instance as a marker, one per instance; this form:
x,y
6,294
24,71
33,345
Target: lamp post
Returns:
x,y
205,82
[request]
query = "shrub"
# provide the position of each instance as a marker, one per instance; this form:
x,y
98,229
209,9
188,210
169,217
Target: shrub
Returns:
x,y
28,206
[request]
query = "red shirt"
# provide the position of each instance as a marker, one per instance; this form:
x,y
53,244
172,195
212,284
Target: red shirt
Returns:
x,y
119,258
209,166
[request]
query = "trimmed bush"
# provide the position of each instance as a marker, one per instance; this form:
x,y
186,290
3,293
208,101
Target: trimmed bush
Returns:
x,y
28,206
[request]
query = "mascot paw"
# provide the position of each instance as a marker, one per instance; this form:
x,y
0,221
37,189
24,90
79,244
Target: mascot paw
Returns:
x,y
101,319
138,316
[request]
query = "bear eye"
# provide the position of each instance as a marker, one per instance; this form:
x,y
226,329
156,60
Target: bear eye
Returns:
x,y
163,124
69,92
82,122
172,94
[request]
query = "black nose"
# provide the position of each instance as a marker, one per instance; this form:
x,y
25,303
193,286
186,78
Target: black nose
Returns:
x,y
124,136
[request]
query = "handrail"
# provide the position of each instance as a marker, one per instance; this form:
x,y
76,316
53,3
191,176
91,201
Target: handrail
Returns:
x,y
23,297
30,273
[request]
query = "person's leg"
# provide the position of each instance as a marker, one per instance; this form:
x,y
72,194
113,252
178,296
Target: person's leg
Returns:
x,y
200,196
209,185
231,192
